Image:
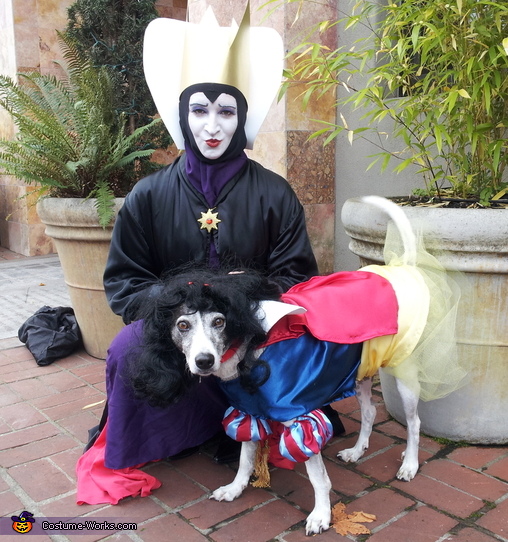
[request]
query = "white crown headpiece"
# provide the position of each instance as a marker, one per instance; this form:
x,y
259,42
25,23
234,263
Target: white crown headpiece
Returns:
x,y
178,54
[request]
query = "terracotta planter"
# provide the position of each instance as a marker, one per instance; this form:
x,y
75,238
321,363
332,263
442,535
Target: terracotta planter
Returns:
x,y
82,247
475,242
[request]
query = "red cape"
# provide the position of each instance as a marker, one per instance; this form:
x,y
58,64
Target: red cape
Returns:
x,y
346,308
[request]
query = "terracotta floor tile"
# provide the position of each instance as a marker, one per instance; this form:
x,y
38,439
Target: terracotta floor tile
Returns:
x,y
9,505
496,520
66,507
25,436
471,535
385,465
79,424
393,428
4,428
137,510
5,360
21,416
377,442
176,488
9,397
67,460
350,425
209,512
79,397
440,495
41,479
296,488
169,528
346,406
383,503
261,524
18,354
26,370
345,481
31,389
35,450
65,410
420,525
499,469
62,381
78,360
16,368
470,481
477,457
298,535
205,471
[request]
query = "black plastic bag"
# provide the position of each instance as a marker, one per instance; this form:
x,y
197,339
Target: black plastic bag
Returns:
x,y
51,334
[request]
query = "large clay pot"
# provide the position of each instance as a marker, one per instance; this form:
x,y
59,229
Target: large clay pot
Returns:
x,y
474,241
82,247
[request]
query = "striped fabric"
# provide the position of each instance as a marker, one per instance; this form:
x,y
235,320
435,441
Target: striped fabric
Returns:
x,y
305,437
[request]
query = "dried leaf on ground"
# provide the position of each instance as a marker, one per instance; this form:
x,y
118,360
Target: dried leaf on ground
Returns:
x,y
344,523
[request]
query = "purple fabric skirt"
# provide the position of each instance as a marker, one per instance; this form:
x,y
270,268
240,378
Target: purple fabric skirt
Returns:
x,y
137,432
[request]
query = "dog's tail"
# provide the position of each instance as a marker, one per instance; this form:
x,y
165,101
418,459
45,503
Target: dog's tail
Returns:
x,y
402,224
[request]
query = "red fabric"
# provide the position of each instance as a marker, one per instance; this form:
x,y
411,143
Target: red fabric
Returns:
x,y
275,458
98,484
231,351
308,440
346,308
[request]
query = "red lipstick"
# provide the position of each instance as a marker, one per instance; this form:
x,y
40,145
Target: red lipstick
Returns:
x,y
213,142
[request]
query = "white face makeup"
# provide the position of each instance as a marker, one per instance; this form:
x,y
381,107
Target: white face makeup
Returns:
x,y
212,124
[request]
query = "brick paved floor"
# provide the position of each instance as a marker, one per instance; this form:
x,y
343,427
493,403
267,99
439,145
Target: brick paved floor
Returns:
x,y
460,494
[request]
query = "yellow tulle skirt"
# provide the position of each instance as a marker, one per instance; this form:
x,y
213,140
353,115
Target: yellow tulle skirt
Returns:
x,y
423,354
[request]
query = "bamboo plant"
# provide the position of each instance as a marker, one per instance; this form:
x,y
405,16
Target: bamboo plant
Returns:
x,y
439,70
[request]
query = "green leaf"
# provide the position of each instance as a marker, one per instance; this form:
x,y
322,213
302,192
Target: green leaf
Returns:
x,y
505,45
500,194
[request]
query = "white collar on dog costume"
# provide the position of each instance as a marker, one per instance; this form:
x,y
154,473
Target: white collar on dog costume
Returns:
x,y
270,312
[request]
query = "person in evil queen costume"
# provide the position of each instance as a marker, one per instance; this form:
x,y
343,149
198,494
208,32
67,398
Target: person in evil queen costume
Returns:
x,y
212,207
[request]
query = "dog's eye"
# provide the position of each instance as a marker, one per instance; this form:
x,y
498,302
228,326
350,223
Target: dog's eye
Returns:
x,y
183,326
219,322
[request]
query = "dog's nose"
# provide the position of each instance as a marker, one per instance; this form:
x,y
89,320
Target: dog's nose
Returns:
x,y
205,361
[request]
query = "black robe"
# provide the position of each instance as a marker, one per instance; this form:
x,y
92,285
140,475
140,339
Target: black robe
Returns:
x,y
262,226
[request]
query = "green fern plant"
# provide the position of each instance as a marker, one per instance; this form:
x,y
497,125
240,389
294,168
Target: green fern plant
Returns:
x,y
70,141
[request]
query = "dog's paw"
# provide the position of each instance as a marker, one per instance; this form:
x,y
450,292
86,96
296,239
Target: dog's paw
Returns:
x,y
407,471
227,493
351,455
317,522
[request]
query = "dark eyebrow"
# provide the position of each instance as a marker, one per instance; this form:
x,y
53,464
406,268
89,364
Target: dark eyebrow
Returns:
x,y
198,104
228,106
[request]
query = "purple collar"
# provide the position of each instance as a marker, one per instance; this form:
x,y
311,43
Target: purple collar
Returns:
x,y
210,179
